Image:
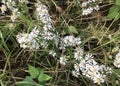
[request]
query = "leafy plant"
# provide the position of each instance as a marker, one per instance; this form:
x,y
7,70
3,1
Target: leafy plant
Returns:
x,y
35,74
114,12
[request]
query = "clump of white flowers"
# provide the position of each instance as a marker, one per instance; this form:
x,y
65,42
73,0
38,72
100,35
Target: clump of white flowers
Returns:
x,y
42,13
43,16
46,33
89,67
29,40
117,60
89,6
69,41
10,5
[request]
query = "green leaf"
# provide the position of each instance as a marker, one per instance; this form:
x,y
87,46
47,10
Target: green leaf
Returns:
x,y
34,72
27,82
114,12
117,2
72,29
114,8
43,77
111,1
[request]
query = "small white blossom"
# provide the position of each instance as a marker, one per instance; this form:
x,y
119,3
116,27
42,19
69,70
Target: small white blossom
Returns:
x,y
10,4
78,55
15,14
84,4
117,60
3,1
99,78
76,67
115,49
63,59
3,8
96,8
75,73
53,53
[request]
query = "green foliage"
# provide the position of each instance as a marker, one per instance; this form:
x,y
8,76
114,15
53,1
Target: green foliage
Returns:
x,y
28,82
117,2
43,77
35,73
72,29
114,12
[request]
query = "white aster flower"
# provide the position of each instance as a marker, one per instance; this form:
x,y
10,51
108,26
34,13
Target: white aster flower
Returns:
x,y
96,7
53,53
99,78
117,60
10,4
75,73
63,59
15,14
84,4
76,67
3,8
78,55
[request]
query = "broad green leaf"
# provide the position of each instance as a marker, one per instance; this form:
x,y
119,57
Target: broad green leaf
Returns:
x,y
117,2
114,12
111,1
34,72
43,77
26,82
72,29
114,8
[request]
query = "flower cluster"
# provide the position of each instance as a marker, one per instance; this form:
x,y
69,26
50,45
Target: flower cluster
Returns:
x,y
89,6
43,16
69,41
46,33
10,5
29,40
117,60
89,67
